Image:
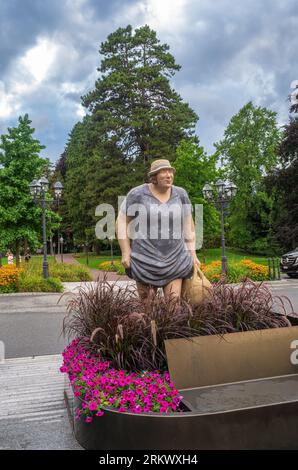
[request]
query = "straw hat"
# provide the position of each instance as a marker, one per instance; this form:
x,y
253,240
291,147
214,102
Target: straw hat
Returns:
x,y
158,165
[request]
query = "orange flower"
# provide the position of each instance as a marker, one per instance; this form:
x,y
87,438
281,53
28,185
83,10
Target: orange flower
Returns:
x,y
9,274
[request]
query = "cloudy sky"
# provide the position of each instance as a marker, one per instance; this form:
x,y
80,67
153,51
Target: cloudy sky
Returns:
x,y
230,53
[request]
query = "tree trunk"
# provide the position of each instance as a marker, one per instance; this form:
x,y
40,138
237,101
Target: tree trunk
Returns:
x,y
51,246
18,253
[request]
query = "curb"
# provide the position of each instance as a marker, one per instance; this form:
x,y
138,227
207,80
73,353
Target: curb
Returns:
x,y
21,294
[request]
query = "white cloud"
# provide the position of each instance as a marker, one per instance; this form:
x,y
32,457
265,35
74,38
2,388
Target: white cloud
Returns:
x,y
165,16
38,60
81,112
70,87
8,106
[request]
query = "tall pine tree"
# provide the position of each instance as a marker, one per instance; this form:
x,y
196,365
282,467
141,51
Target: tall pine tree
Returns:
x,y
133,100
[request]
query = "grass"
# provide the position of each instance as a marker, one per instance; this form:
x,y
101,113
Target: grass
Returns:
x,y
32,280
214,254
205,256
94,260
62,271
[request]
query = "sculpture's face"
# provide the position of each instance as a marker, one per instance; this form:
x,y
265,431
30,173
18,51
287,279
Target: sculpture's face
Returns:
x,y
165,177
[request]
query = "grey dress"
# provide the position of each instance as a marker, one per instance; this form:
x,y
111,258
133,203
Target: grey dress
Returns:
x,y
158,250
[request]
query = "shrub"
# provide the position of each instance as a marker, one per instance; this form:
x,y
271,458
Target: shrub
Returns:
x,y
258,272
63,272
36,283
9,278
70,272
237,271
115,266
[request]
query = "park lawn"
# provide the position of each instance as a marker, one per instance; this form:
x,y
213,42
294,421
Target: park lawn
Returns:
x,y
4,260
95,260
205,256
30,277
214,254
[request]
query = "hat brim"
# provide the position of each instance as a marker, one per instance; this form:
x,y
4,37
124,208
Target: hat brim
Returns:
x,y
151,173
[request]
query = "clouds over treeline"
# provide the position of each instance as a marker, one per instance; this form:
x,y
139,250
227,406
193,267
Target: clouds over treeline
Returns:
x,y
230,52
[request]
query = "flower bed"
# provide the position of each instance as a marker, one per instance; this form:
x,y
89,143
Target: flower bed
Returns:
x,y
100,385
113,266
9,277
237,271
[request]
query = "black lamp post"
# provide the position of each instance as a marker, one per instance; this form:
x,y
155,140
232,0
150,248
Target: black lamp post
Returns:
x,y
58,189
38,190
112,254
221,195
61,247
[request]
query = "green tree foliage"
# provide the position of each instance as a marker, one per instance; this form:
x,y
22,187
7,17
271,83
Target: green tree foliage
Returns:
x,y
133,101
282,184
78,153
20,162
193,170
135,115
249,151
96,173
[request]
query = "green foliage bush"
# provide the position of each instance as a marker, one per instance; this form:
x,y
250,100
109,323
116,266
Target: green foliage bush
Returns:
x,y
8,289
62,271
115,266
237,271
31,279
70,272
36,283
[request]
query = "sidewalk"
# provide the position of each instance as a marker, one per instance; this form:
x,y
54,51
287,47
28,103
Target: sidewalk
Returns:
x,y
33,413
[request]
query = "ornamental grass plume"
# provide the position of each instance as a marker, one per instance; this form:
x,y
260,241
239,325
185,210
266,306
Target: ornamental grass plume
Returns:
x,y
124,330
247,306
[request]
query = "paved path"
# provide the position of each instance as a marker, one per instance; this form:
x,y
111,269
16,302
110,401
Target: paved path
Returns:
x,y
33,413
97,274
31,323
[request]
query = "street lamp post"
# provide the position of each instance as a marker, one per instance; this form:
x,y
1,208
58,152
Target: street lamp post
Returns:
x,y
112,254
61,247
87,249
221,195
38,190
58,188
